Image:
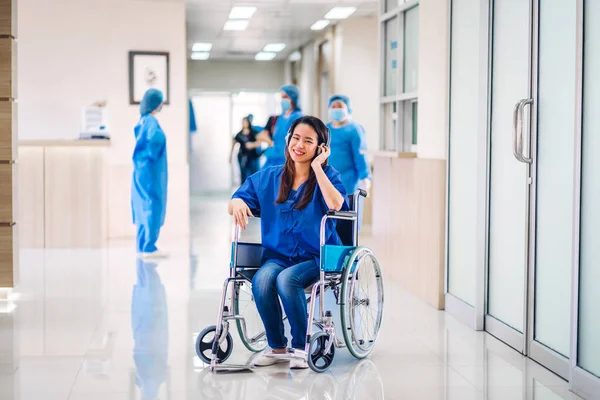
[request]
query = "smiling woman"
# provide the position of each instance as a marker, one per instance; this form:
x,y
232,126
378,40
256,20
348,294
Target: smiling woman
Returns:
x,y
292,199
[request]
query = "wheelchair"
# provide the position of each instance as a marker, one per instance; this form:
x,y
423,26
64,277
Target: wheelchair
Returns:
x,y
350,271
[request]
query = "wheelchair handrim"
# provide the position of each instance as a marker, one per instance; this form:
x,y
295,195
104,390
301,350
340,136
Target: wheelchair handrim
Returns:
x,y
351,290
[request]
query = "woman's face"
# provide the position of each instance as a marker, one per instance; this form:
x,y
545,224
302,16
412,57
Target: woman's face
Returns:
x,y
245,123
303,144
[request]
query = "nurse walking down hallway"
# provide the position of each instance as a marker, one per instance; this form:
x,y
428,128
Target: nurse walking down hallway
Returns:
x,y
348,142
292,110
150,176
292,199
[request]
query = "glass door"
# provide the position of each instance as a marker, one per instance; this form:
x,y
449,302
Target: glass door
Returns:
x,y
509,174
553,175
585,346
531,181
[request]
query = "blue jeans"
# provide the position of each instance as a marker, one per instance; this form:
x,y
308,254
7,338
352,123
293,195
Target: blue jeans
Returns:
x,y
276,279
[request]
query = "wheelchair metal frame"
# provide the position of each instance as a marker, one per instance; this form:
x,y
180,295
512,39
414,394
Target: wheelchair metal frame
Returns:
x,y
318,289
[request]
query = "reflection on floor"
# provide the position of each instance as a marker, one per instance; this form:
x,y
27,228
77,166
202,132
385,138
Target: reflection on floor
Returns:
x,y
101,325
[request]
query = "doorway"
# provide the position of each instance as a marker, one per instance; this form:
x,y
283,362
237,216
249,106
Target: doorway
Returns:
x,y
531,178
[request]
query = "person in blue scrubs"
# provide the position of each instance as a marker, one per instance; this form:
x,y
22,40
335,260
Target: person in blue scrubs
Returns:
x,y
292,199
348,144
150,176
292,110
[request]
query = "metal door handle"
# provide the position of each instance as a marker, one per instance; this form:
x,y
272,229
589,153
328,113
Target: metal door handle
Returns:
x,y
522,105
516,114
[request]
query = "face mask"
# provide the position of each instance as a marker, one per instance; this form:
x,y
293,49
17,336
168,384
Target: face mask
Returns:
x,y
338,114
286,104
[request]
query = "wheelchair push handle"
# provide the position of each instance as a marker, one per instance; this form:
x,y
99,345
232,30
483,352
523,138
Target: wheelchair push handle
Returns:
x,y
237,229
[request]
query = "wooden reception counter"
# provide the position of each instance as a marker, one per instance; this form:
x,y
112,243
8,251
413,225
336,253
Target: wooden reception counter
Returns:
x,y
62,194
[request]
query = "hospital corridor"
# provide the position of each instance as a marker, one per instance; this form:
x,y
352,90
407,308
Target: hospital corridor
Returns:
x,y
299,200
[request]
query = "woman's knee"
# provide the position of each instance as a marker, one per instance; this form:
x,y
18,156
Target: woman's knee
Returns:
x,y
288,284
264,281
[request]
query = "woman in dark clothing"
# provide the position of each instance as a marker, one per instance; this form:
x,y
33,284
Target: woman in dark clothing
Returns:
x,y
249,150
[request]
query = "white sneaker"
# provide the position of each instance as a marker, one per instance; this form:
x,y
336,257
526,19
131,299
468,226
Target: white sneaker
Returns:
x,y
299,363
154,255
269,358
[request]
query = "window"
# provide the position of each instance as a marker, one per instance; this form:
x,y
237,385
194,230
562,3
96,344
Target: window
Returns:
x,y
390,5
400,26
391,57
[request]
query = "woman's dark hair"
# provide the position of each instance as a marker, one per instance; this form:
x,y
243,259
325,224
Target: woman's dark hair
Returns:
x,y
289,169
246,119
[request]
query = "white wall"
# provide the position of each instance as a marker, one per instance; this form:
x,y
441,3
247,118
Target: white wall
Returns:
x,y
263,76
434,19
308,77
72,53
357,72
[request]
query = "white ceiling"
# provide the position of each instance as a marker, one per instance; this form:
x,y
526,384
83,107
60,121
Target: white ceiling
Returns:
x,y
275,21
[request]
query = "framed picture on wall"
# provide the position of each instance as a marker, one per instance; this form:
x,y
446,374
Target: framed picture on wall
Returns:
x,y
148,69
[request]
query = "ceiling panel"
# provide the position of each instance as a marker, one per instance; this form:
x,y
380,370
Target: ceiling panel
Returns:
x,y
282,21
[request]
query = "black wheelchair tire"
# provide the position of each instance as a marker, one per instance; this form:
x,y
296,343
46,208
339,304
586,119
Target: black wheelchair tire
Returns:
x,y
202,346
319,339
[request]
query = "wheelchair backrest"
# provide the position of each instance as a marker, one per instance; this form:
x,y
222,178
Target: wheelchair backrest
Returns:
x,y
345,229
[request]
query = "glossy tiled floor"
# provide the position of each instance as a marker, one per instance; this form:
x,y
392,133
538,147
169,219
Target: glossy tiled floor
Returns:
x,y
101,325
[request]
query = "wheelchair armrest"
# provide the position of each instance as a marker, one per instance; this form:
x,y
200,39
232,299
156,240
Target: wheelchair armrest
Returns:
x,y
341,214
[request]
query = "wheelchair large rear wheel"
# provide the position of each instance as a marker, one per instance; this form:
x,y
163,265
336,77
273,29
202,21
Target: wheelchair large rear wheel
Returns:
x,y
254,337
362,302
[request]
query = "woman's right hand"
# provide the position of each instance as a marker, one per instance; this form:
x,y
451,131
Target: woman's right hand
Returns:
x,y
240,212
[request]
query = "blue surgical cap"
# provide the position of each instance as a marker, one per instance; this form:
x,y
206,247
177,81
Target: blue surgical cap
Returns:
x,y
294,93
152,99
343,99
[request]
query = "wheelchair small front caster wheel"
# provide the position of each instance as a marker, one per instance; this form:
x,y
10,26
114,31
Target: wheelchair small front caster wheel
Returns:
x,y
205,342
319,358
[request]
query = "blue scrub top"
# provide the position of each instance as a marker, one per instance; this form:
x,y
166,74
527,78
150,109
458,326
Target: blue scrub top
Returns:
x,y
289,234
347,142
276,154
150,174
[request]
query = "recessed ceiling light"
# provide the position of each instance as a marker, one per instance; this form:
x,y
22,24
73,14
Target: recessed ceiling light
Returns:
x,y
236,25
274,47
242,12
200,55
202,47
340,12
317,26
264,56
